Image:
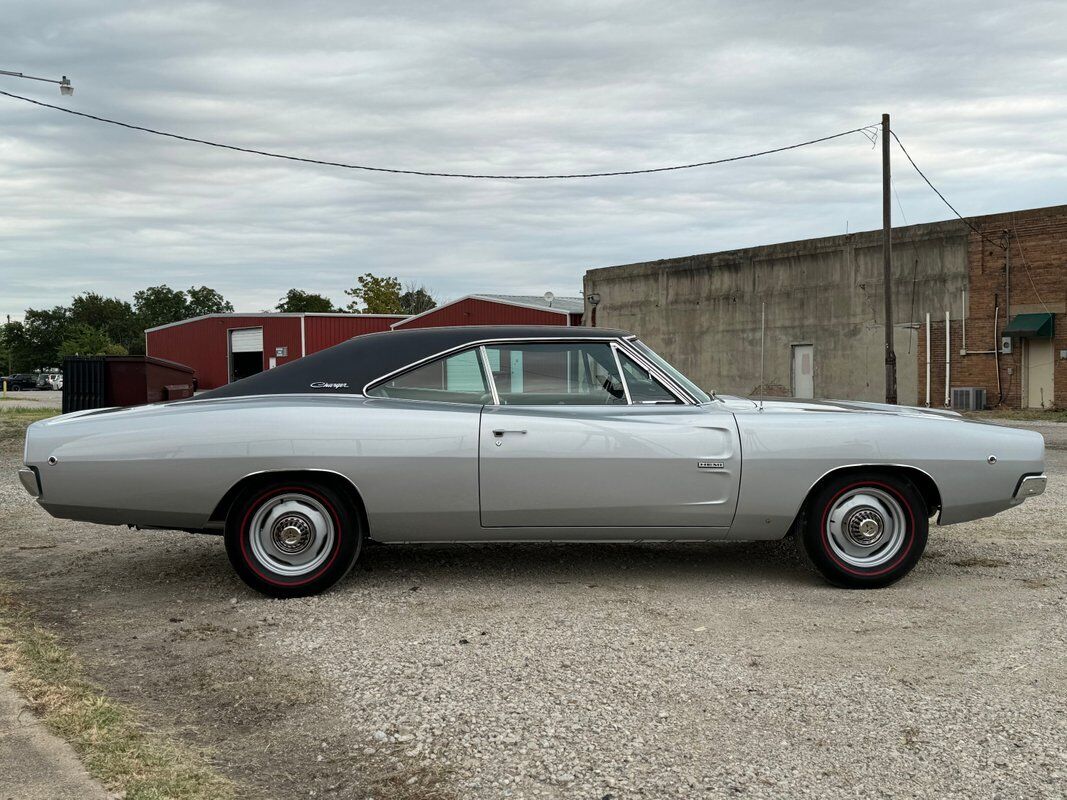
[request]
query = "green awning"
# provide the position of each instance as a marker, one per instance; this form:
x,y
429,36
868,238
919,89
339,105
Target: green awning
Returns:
x,y
1039,326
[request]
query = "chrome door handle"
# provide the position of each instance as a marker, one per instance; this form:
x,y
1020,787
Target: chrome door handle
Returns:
x,y
502,431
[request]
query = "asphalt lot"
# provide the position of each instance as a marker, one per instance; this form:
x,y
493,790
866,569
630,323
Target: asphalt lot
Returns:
x,y
649,671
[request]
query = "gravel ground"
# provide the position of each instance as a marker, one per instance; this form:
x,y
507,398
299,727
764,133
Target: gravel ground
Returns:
x,y
647,671
32,399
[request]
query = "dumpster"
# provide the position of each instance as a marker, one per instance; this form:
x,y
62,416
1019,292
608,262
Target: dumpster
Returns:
x,y
104,381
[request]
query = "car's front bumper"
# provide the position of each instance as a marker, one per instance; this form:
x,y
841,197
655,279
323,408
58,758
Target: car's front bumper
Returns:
x,y
1030,486
28,478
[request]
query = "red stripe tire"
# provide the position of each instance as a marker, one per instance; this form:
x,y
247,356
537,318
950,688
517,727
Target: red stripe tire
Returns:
x,y
864,530
290,538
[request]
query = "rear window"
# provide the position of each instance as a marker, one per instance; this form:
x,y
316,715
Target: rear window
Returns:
x,y
454,379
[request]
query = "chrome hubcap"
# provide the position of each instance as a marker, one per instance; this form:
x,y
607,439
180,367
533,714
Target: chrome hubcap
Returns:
x,y
866,527
292,534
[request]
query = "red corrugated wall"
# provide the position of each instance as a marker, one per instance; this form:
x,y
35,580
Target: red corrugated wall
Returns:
x,y
203,343
481,312
323,332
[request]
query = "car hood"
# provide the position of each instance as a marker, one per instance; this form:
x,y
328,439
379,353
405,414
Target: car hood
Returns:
x,y
800,405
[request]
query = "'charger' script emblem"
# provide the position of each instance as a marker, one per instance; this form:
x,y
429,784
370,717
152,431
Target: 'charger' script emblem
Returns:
x,y
324,385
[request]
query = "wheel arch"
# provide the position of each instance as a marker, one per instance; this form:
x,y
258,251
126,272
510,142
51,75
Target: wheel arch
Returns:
x,y
923,482
335,480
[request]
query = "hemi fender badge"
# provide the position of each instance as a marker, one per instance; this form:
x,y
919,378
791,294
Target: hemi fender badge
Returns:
x,y
710,465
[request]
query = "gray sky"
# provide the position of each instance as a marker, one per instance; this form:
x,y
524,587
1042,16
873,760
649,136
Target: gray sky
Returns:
x,y
977,92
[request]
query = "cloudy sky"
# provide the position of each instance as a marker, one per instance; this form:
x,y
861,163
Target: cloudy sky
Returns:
x,y
977,92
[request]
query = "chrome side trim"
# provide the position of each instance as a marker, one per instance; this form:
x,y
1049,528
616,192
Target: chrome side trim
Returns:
x,y
807,494
622,376
489,379
611,340
674,388
1030,486
253,474
28,479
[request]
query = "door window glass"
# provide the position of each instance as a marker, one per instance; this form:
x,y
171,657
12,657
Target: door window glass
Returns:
x,y
698,394
456,379
643,387
549,373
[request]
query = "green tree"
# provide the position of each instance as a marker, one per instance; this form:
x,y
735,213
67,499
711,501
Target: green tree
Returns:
x,y
85,340
205,300
6,357
35,341
416,299
115,318
299,301
158,305
374,295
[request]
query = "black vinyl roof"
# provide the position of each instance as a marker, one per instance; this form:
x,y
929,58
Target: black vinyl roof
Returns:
x,y
347,367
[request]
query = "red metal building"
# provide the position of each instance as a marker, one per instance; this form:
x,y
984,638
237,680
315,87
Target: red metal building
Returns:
x,y
226,347
499,309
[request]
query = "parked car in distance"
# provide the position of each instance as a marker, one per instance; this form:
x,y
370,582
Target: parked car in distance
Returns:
x,y
20,382
509,434
48,381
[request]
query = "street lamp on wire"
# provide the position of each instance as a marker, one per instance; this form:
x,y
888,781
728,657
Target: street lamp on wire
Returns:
x,y
64,84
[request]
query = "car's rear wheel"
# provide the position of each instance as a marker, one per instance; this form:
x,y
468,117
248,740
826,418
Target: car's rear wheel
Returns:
x,y
865,531
291,538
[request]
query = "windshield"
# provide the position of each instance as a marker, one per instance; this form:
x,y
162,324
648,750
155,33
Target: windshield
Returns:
x,y
698,394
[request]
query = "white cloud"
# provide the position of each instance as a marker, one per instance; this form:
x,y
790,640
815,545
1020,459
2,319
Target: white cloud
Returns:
x,y
555,86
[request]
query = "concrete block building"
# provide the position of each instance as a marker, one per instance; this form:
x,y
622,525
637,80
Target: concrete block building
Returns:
x,y
1001,279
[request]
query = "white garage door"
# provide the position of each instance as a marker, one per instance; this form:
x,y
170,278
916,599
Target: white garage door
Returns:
x,y
246,340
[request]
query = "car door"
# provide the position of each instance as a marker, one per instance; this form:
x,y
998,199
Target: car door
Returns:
x,y
571,444
417,456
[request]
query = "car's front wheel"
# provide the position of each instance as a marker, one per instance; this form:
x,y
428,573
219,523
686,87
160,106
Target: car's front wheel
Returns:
x,y
865,531
291,538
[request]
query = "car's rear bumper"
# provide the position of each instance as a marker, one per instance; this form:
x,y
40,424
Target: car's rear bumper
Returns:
x,y
28,478
1030,486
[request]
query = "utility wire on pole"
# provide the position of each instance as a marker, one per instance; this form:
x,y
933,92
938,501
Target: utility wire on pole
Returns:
x,y
887,268
436,174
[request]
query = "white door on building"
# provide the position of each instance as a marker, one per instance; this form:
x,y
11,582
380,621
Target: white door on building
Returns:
x,y
803,370
246,352
1039,370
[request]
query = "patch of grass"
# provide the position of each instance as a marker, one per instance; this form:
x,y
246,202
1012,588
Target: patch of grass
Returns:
x,y
14,421
107,736
1023,414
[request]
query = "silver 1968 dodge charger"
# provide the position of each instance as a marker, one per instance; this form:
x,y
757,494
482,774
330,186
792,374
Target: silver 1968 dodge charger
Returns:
x,y
508,434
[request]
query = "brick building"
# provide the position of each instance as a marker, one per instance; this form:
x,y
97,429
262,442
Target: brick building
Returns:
x,y
995,276
1011,314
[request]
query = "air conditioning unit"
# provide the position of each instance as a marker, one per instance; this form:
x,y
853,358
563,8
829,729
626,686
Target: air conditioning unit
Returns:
x,y
968,398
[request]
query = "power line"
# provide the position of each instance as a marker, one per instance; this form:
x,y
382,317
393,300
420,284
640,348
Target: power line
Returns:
x,y
427,173
922,175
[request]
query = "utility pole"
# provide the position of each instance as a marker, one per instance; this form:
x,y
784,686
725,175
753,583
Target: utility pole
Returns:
x,y
887,269
7,342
